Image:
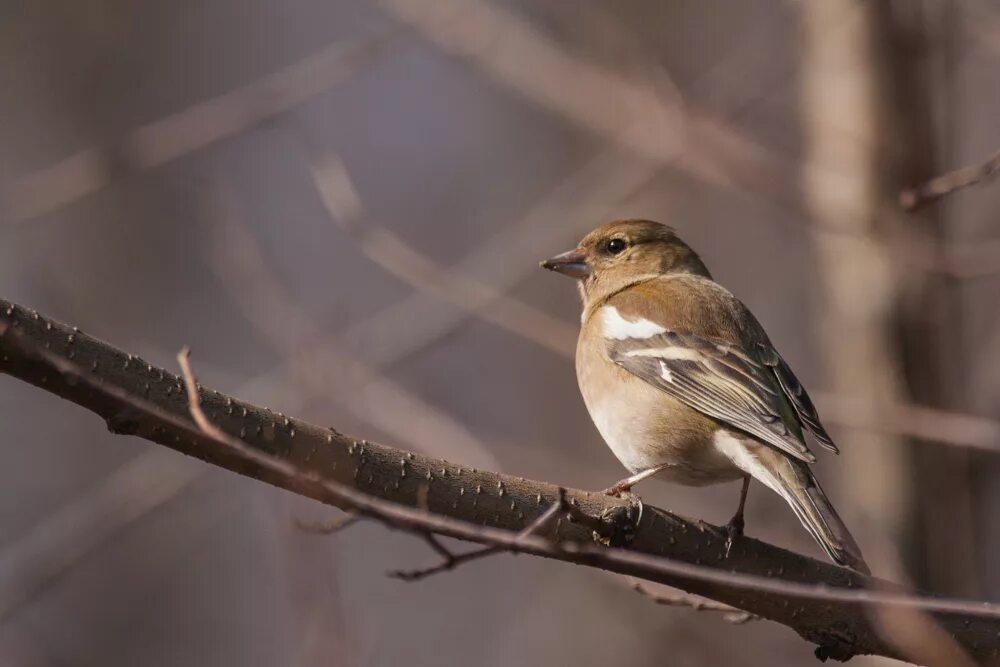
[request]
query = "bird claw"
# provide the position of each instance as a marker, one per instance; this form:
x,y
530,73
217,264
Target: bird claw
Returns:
x,y
625,485
617,490
623,491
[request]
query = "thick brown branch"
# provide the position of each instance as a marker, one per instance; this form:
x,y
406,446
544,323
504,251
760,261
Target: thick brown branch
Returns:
x,y
823,603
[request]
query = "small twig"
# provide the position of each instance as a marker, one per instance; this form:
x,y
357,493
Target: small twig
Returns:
x,y
729,613
194,399
451,560
448,560
543,520
328,527
916,197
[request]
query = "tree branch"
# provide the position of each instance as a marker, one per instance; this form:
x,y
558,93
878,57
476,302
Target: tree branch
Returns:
x,y
825,604
921,195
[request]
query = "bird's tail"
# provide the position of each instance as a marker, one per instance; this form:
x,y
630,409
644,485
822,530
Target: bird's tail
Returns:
x,y
803,493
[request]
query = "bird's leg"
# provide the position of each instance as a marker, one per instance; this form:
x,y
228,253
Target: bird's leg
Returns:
x,y
735,525
625,485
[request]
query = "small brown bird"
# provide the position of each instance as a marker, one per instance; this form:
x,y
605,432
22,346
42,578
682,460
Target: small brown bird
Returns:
x,y
683,383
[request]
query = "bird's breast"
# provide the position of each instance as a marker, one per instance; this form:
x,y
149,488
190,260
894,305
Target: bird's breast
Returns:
x,y
645,427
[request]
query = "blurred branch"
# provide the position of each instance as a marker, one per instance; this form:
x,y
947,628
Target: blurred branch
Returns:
x,y
926,193
830,604
186,131
398,258
967,260
629,111
592,191
644,116
914,421
318,358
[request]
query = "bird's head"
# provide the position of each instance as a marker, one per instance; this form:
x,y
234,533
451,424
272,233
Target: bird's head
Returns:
x,y
625,252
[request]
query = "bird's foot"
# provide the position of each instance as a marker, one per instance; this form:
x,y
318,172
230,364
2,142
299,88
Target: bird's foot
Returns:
x,y
625,485
733,529
619,489
623,491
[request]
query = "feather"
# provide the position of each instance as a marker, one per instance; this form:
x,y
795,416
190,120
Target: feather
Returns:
x,y
716,380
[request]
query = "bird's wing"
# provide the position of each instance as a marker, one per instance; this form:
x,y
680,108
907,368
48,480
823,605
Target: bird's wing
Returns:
x,y
796,393
691,338
717,379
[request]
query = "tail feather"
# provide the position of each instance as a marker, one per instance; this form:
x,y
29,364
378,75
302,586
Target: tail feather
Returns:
x,y
793,481
814,510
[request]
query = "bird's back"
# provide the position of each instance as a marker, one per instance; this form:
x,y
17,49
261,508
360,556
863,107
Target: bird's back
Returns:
x,y
692,304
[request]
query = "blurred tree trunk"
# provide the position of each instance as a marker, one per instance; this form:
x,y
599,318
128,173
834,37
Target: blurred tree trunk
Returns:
x,y
868,119
845,192
930,314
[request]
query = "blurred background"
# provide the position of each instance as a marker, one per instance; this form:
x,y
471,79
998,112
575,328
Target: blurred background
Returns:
x,y
341,205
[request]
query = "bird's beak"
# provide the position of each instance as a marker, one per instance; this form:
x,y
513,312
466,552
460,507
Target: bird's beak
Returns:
x,y
572,263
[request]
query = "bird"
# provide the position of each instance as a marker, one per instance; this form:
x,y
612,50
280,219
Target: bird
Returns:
x,y
683,383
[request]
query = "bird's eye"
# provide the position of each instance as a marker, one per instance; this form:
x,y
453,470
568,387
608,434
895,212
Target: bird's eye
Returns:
x,y
615,246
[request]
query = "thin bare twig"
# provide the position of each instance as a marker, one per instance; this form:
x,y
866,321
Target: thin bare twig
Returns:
x,y
921,195
450,560
194,398
695,602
